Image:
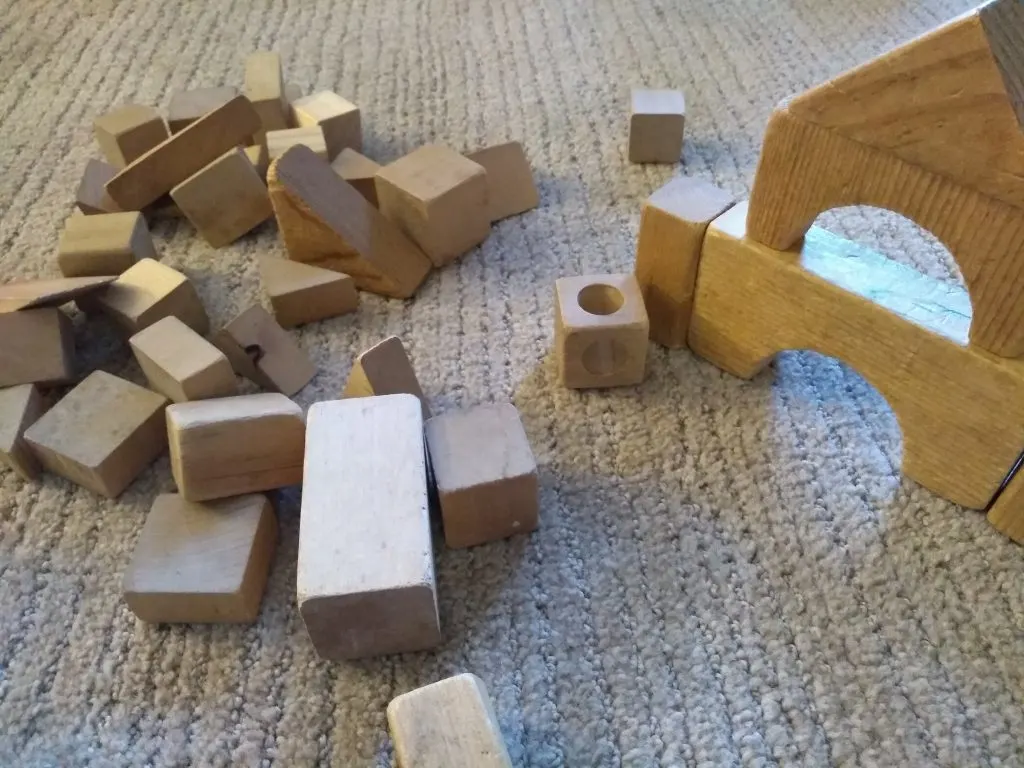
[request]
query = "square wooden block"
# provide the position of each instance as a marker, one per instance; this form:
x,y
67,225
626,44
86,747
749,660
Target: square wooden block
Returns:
x,y
91,196
102,434
104,244
510,187
359,171
128,132
263,352
181,364
188,106
279,142
336,117
20,408
37,346
300,293
439,198
656,125
485,473
601,330
385,369
264,87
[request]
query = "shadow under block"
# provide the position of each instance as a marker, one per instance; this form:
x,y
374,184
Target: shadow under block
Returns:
x,y
264,87
1006,514
181,364
263,352
301,293
197,563
672,226
20,408
37,346
31,294
225,199
385,369
510,187
656,123
91,197
129,132
102,434
104,244
438,198
359,171
448,724
188,106
960,408
235,445
601,331
485,473
326,222
365,581
337,117
279,142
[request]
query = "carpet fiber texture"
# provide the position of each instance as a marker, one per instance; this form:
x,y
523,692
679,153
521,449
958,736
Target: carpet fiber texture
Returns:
x,y
726,572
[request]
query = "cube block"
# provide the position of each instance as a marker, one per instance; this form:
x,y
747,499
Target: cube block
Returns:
x,y
188,106
37,346
104,244
128,132
300,293
510,187
359,171
385,369
181,364
337,118
656,124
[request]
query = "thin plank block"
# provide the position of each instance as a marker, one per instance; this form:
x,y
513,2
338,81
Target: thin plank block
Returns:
x,y
37,346
104,244
279,142
180,364
128,132
656,124
20,408
91,196
338,118
385,369
264,87
359,171
300,293
263,352
188,106
31,294
510,187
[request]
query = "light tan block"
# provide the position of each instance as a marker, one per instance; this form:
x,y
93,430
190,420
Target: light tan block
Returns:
x,y
279,142
656,124
510,187
257,154
92,197
235,445
601,331
37,346
438,198
188,106
337,118
181,364
20,408
1006,514
485,473
263,352
104,244
384,369
197,563
31,294
359,171
264,87
102,434
300,293
128,132
366,577
448,724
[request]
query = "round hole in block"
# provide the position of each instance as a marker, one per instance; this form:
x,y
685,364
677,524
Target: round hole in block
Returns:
x,y
600,299
604,357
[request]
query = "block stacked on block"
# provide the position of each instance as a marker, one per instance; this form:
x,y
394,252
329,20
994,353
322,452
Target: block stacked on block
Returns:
x,y
264,87
359,171
181,364
104,244
656,124
20,408
337,118
385,369
188,106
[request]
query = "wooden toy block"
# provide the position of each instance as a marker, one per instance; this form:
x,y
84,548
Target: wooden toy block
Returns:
x,y
197,563
129,132
279,142
235,445
102,434
510,187
300,293
263,352
1006,514
292,93
337,117
438,198
31,294
225,199
326,222
656,125
601,331
264,87
366,577
485,473
257,154
104,244
959,407
448,724
92,197
36,347
359,171
20,408
385,369
672,227
181,364
188,106
190,150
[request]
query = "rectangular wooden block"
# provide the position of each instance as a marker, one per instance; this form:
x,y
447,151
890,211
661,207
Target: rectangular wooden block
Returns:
x,y
181,364
188,106
30,294
265,353
366,577
656,124
385,369
92,197
104,244
129,132
338,118
20,408
264,86
301,293
37,346
359,171
235,445
279,142
510,187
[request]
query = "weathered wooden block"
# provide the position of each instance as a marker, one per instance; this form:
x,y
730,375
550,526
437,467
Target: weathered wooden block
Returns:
x,y
264,87
337,118
359,171
181,364
300,293
37,346
366,577
20,408
385,369
510,187
91,196
30,294
102,434
104,244
279,142
656,125
188,106
129,132
263,352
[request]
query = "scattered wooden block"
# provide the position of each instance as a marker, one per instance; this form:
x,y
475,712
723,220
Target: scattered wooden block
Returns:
x,y
672,227
359,171
337,118
300,293
264,87
36,347
181,364
485,473
129,132
448,724
202,563
102,434
225,199
31,294
656,126
188,106
438,198
601,331
257,154
279,142
20,408
326,222
384,369
235,445
353,601
104,244
263,352
510,188
92,197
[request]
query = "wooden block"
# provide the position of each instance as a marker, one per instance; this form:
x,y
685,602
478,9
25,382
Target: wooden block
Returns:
x,y
31,294
36,347
279,142
181,364
129,132
960,408
225,199
438,198
102,434
510,188
300,293
485,473
188,106
1006,514
448,724
601,331
384,369
672,227
202,563
292,92
366,577
92,197
359,171
264,86
104,244
326,222
20,408
257,154
235,445
263,352
193,148
336,117
656,124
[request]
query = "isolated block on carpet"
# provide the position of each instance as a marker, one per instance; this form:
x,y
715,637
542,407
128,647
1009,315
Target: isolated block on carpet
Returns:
x,y
263,352
128,132
91,197
279,142
510,187
301,293
656,124
338,118
188,106
104,244
384,369
359,171
30,294
20,408
37,346
264,87
181,364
